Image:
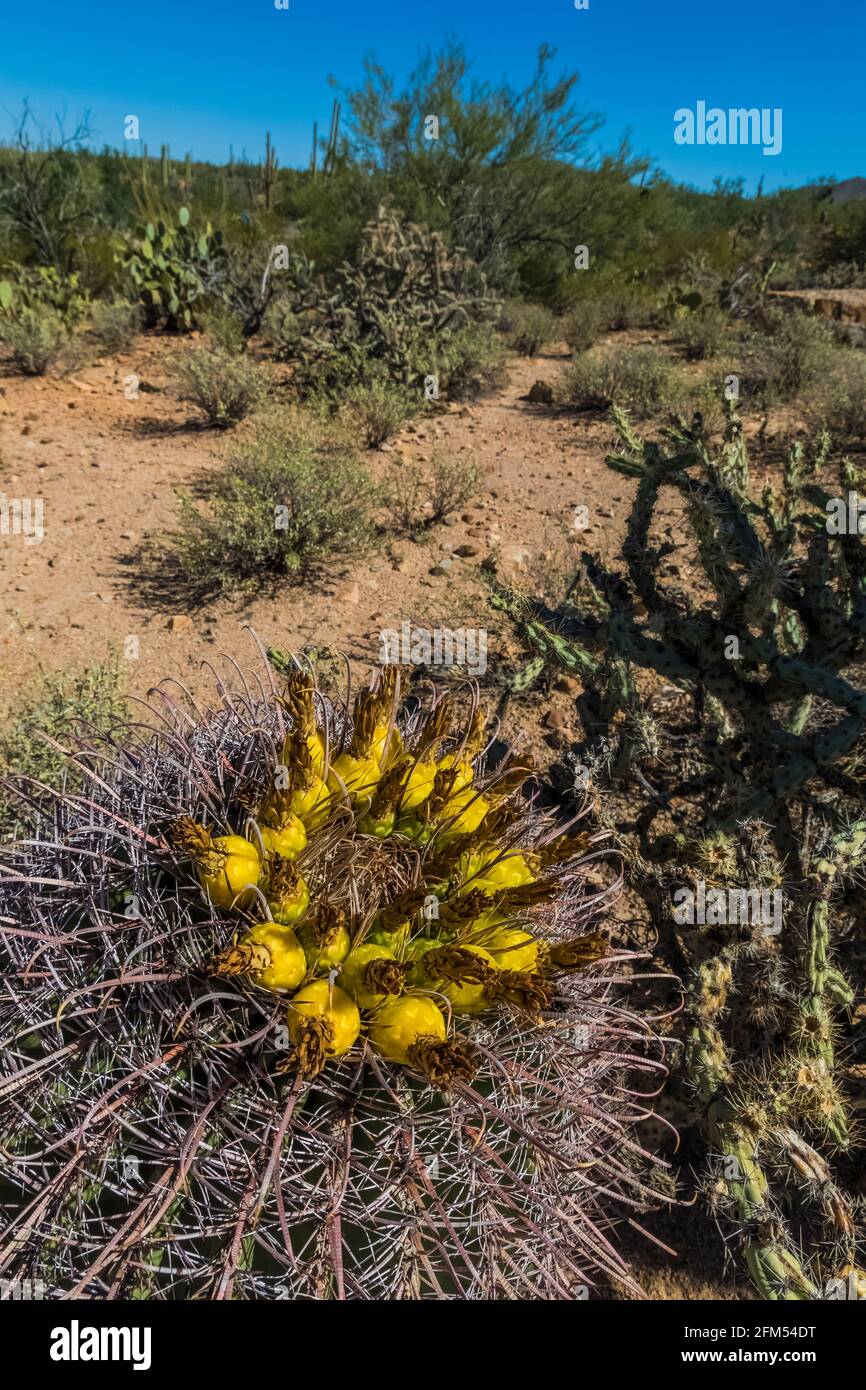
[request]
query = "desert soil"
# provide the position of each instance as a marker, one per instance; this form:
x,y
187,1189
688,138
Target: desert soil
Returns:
x,y
106,468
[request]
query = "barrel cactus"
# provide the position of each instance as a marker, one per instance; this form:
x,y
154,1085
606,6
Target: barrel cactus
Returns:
x,y
302,999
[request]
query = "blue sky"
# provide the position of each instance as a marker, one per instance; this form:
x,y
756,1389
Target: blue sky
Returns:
x,y
204,76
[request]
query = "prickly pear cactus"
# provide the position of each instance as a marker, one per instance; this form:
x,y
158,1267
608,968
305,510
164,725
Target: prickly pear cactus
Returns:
x,y
304,1004
171,267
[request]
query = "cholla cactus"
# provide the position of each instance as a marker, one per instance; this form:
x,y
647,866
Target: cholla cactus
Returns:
x,y
386,313
760,787
304,1005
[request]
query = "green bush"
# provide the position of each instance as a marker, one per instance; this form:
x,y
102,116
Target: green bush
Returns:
x,y
838,402
222,385
417,497
171,269
638,379
469,362
113,326
57,706
284,331
35,338
224,327
795,354
294,495
379,408
527,327
702,334
583,325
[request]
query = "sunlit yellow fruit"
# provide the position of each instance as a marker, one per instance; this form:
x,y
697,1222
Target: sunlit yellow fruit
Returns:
x,y
287,966
352,973
378,750
392,937
400,1023
290,907
312,803
240,868
417,785
360,776
513,949
488,874
462,813
326,957
328,1002
468,998
287,841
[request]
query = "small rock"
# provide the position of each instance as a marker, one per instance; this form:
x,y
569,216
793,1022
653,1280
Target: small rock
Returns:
x,y
26,429
401,565
181,622
554,719
350,593
72,405
465,551
440,569
540,393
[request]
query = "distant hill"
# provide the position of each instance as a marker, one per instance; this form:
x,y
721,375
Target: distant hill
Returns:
x,y
843,192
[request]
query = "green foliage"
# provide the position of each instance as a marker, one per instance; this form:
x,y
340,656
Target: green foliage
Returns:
x,y
378,408
286,501
35,287
837,402
527,327
704,333
224,327
56,707
468,363
113,326
638,379
583,325
417,497
224,386
170,269
796,353
36,338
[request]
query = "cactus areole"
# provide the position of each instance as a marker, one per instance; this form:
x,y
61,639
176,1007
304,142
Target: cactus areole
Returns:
x,y
258,1065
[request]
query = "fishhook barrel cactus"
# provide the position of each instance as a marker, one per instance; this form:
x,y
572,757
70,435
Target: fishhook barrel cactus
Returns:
x,y
299,1003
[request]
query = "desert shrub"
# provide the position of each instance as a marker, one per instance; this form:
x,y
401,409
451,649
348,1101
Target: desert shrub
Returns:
x,y
222,385
702,334
795,354
838,402
527,327
56,706
223,327
583,325
284,331
416,497
626,308
35,338
639,379
379,408
285,500
113,326
468,362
